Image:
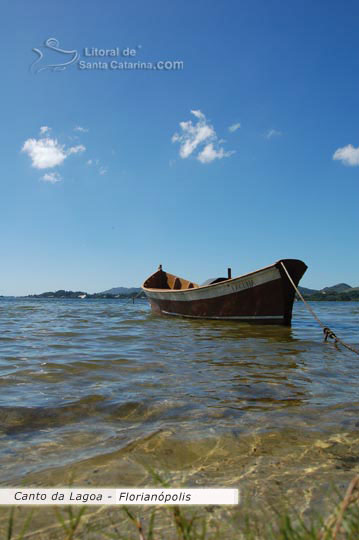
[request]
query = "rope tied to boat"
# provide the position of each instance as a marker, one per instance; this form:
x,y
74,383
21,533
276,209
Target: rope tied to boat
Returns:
x,y
328,333
133,298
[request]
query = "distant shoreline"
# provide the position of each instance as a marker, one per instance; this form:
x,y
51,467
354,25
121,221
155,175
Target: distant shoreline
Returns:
x,y
336,293
84,295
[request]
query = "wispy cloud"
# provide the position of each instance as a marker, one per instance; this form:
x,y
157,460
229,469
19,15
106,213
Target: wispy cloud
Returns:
x,y
101,169
348,155
234,127
44,129
193,135
202,135
76,149
81,129
272,133
52,177
209,153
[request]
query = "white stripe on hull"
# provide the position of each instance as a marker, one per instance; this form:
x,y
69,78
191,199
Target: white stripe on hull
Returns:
x,y
217,290
247,317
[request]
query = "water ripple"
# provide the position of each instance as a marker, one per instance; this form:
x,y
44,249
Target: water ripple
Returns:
x,y
84,379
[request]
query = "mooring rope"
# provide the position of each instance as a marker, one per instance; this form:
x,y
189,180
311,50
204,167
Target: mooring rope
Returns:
x,y
133,298
328,333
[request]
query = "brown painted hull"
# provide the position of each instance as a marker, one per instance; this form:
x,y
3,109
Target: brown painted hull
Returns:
x,y
265,296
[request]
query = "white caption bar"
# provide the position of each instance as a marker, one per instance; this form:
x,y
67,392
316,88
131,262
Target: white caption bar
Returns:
x,y
123,496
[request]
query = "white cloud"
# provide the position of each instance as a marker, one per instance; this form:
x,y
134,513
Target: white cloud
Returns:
x,y
76,149
81,129
101,169
209,153
272,133
44,153
348,155
198,114
44,129
52,177
234,127
194,136
47,153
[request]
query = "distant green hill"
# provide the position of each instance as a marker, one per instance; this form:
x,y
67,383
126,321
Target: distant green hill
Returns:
x,y
341,287
122,290
340,292
306,291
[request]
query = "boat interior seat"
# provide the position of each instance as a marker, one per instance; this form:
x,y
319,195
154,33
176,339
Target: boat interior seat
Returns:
x,y
177,284
182,284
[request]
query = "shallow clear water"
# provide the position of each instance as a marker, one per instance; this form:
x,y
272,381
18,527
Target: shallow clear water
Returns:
x,y
105,389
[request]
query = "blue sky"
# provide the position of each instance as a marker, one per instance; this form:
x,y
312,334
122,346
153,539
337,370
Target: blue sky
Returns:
x,y
145,180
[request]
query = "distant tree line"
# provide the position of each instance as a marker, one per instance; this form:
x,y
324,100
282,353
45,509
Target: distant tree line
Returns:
x,y
349,296
81,294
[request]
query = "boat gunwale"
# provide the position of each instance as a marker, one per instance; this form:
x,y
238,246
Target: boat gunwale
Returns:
x,y
231,280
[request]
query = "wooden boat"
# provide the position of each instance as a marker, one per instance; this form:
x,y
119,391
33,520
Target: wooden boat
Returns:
x,y
265,296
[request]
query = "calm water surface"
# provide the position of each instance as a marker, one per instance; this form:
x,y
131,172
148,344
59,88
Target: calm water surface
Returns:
x,y
105,389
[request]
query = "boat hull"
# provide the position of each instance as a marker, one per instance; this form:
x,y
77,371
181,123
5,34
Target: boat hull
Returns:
x,y
264,297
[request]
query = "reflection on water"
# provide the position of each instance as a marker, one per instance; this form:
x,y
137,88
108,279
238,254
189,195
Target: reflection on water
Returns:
x,y
105,386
